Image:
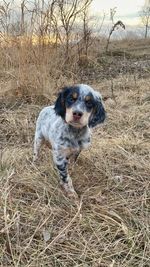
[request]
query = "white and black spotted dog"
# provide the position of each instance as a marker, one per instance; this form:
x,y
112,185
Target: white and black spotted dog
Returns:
x,y
66,126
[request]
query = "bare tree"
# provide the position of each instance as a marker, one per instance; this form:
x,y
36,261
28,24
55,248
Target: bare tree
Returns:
x,y
5,12
115,26
22,24
86,30
69,10
87,37
145,18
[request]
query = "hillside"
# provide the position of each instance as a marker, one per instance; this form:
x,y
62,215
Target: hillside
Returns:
x,y
108,226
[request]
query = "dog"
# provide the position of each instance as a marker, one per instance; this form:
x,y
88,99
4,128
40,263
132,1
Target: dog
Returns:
x,y
66,127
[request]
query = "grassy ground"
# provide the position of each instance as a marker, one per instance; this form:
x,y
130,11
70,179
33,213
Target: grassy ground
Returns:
x,y
109,226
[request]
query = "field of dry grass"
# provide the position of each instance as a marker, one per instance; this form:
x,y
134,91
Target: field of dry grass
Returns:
x,y
109,226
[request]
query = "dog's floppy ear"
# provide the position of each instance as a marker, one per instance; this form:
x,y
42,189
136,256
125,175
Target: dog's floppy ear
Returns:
x,y
99,113
59,107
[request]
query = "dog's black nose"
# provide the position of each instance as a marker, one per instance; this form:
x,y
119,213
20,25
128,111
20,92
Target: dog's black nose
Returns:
x,y
77,115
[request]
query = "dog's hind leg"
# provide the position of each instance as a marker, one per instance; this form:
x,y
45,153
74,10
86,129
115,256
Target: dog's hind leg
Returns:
x,y
38,141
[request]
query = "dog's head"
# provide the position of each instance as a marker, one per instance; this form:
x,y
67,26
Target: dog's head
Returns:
x,y
80,105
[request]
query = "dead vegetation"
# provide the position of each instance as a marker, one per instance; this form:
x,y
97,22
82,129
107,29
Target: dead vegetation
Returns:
x,y
109,225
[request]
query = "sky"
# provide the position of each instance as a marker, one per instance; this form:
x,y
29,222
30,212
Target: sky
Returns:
x,y
127,10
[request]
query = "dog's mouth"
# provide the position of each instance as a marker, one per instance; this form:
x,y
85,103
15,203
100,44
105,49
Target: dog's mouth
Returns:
x,y
76,123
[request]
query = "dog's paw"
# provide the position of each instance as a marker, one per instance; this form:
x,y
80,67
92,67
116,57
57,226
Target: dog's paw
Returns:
x,y
69,189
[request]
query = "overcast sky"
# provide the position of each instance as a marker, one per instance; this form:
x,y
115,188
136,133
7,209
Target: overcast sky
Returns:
x,y
127,10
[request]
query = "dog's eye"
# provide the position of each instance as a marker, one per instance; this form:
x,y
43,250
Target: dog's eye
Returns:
x,y
89,103
72,100
73,97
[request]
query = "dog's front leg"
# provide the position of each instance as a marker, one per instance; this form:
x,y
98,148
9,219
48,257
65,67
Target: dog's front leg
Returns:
x,y
61,163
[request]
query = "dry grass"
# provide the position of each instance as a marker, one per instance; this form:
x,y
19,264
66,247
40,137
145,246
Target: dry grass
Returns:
x,y
109,225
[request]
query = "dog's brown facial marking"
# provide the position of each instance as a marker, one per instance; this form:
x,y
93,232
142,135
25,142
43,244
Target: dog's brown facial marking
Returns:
x,y
74,96
69,115
85,118
88,98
